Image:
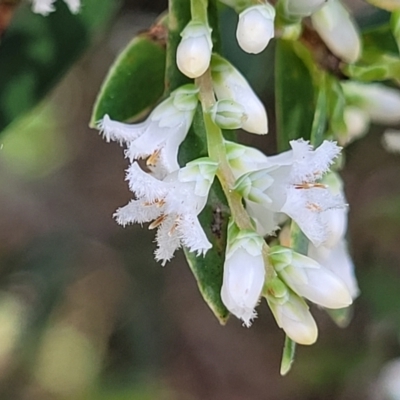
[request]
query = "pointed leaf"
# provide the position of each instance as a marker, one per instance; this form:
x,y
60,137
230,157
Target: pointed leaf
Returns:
x,y
289,351
135,81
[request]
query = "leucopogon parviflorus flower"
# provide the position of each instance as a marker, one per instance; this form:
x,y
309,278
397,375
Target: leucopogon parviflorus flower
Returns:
x,y
297,9
244,273
173,205
291,312
45,7
194,50
309,279
255,28
230,84
159,136
288,184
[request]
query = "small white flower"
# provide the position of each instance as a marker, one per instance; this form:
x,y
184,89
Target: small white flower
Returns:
x,y
338,30
229,84
309,279
160,135
337,259
255,28
194,51
244,273
290,186
173,205
297,9
291,313
380,102
45,7
357,123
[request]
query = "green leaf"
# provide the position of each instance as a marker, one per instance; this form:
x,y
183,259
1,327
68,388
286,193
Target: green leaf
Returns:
x,y
320,118
380,39
289,351
294,96
36,51
135,81
336,103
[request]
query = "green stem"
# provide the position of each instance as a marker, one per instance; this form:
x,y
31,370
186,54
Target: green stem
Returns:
x,y
216,151
198,9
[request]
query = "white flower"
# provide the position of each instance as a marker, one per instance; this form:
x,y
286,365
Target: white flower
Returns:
x,y
160,135
297,9
244,273
291,313
194,51
357,123
45,7
229,84
290,186
173,205
309,279
338,30
337,259
380,102
256,28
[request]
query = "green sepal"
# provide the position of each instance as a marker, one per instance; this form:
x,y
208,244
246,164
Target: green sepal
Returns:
x,y
341,316
37,51
289,350
134,82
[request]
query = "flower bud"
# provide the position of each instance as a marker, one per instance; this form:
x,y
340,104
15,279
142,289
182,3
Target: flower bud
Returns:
x,y
309,279
391,140
194,51
297,9
338,30
228,114
291,313
229,83
244,273
357,123
380,102
256,28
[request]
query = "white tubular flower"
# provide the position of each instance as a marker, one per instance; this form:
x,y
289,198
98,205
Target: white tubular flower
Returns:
x,y
338,30
380,102
337,259
291,313
45,7
290,186
244,273
256,28
194,51
160,135
173,205
229,84
309,279
357,123
297,9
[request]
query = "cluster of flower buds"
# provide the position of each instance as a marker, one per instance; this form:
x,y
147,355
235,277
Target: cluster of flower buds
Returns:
x,y
45,7
295,185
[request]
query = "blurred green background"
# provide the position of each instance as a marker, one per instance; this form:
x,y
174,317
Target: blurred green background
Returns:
x,y
85,312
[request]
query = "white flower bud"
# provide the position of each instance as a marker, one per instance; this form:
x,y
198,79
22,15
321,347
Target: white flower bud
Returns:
x,y
45,7
229,83
291,313
357,124
244,273
338,30
228,114
380,102
309,279
391,141
301,8
194,51
256,28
